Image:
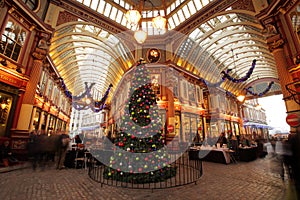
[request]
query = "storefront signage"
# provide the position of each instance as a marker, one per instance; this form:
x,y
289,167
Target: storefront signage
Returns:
x,y
293,120
10,79
170,128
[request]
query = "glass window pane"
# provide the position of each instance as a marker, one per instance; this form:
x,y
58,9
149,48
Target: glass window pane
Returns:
x,y
94,5
87,2
192,7
113,13
107,10
101,6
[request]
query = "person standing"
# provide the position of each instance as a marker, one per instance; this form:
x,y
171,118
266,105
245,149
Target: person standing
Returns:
x,y
63,144
295,164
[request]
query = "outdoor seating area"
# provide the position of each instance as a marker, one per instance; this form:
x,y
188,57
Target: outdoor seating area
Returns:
x,y
222,155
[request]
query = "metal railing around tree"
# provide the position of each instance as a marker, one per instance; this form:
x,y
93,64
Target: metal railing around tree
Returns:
x,y
187,171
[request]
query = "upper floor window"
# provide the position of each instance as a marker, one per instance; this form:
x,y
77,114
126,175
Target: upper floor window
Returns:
x,y
32,4
12,40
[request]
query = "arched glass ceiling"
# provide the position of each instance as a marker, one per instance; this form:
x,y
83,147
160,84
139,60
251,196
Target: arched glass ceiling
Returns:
x,y
85,53
116,10
229,40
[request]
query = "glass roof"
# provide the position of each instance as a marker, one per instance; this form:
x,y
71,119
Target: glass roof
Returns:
x,y
229,40
85,53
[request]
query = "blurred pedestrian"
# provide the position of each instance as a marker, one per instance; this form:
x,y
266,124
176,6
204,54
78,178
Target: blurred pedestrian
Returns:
x,y
62,150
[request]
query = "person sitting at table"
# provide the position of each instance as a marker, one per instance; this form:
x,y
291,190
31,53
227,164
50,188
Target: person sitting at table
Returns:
x,y
6,154
77,140
222,139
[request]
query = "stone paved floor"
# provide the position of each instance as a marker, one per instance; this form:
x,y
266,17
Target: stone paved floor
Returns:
x,y
243,181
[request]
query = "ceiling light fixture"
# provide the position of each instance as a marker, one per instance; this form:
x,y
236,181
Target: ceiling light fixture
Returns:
x,y
134,17
140,36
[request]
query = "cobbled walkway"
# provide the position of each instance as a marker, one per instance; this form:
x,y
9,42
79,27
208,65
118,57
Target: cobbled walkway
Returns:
x,y
258,179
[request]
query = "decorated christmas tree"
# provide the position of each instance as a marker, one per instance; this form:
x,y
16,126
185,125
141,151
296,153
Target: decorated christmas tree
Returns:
x,y
140,154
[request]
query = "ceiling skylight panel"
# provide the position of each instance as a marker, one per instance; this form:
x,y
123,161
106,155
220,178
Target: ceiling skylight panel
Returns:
x,y
122,3
124,22
217,33
198,4
192,7
90,29
171,23
87,3
205,2
194,34
101,6
172,7
127,6
107,10
205,27
205,42
80,1
112,40
94,5
186,11
113,13
177,3
181,16
103,34
168,10
119,16
176,19
212,46
223,40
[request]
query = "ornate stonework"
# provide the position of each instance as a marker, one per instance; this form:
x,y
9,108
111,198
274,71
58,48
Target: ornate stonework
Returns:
x,y
276,44
65,17
93,18
39,54
244,5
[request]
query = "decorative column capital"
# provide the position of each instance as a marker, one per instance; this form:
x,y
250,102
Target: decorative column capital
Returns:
x,y
39,54
275,42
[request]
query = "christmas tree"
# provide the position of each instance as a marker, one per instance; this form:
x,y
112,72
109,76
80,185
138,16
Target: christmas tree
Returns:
x,y
140,154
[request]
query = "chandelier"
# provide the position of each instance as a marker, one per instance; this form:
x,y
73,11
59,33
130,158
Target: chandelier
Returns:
x,y
134,17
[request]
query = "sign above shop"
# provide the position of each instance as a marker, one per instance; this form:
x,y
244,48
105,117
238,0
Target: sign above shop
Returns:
x,y
293,120
11,80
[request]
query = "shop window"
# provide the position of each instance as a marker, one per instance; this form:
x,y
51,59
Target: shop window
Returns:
x,y
32,4
55,96
175,89
49,89
295,20
5,105
155,81
191,91
36,120
12,41
42,83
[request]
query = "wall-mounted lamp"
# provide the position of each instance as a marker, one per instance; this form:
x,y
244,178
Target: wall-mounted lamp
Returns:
x,y
297,60
241,98
3,105
3,62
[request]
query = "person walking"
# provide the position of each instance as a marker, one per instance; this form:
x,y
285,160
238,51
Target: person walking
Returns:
x,y
63,144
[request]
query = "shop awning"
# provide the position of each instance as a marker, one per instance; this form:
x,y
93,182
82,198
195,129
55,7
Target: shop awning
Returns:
x,y
258,125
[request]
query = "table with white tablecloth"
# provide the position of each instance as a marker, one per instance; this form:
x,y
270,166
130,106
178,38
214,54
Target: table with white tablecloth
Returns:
x,y
218,155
